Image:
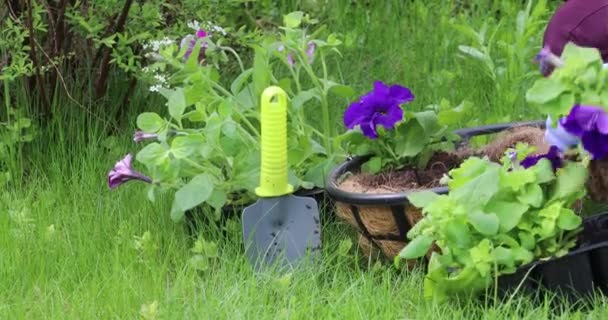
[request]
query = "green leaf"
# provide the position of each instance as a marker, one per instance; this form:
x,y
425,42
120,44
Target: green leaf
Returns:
x,y
559,106
423,198
184,146
302,97
417,248
150,122
477,192
153,154
239,82
545,90
192,194
261,71
373,165
509,213
341,90
570,181
568,220
544,171
457,234
411,140
177,104
516,180
293,19
486,223
531,195
429,121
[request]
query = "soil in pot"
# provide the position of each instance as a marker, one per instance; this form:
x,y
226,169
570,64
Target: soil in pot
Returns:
x,y
379,224
597,185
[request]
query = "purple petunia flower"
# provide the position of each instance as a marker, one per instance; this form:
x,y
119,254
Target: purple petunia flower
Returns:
x,y
559,137
140,136
548,61
381,106
190,41
590,123
123,172
554,156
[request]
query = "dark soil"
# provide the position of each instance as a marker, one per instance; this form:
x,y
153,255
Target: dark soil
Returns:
x,y
412,179
597,185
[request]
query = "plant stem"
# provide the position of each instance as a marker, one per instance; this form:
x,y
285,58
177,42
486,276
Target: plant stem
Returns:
x,y
324,105
243,117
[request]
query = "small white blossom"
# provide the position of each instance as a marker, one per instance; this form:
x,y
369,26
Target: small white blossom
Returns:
x,y
160,78
194,25
156,88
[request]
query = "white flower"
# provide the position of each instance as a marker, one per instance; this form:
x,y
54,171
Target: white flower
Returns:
x,y
160,78
156,88
194,25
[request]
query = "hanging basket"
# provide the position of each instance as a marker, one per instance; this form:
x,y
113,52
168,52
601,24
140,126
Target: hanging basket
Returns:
x,y
383,219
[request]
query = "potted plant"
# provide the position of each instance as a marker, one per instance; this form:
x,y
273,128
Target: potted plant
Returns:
x,y
206,149
397,152
496,219
574,97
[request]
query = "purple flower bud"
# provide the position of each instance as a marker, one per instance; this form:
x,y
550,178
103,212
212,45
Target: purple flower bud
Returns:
x,y
310,52
140,136
123,172
189,41
548,61
290,59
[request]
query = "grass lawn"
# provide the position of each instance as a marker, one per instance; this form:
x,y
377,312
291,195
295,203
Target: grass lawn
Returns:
x,y
70,248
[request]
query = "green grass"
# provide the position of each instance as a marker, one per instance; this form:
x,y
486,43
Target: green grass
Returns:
x,y
69,246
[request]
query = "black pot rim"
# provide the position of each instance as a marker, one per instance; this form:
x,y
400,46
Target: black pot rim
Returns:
x,y
389,199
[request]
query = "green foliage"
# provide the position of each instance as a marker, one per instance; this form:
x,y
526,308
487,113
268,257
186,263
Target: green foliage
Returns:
x,y
581,80
494,220
411,143
212,129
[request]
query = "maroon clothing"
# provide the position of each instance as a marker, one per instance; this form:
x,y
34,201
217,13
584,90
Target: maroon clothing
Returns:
x,y
583,22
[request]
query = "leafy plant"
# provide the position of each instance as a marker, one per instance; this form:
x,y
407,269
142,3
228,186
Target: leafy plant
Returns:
x,y
495,219
207,149
395,138
575,98
580,80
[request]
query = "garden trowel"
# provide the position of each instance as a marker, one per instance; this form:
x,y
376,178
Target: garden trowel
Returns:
x,y
280,227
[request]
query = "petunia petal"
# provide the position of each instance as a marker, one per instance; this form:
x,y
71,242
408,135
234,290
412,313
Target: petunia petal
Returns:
x,y
594,142
393,115
400,94
369,130
602,122
355,114
571,124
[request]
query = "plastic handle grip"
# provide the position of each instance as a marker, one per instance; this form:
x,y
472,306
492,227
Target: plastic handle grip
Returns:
x,y
273,175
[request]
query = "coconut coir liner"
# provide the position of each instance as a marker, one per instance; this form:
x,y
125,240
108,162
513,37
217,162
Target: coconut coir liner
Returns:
x,y
441,163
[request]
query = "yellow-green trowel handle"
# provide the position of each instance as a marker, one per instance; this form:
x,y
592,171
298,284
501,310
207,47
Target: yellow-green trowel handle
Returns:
x,y
273,175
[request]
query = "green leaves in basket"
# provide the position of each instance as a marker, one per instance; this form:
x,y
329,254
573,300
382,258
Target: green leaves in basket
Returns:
x,y
495,219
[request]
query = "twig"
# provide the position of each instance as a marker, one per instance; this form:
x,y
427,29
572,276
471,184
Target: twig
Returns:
x,y
65,87
100,87
34,57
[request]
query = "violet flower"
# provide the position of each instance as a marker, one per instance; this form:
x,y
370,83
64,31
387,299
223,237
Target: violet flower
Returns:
x,y
559,137
547,60
381,106
590,123
140,136
190,41
123,172
554,156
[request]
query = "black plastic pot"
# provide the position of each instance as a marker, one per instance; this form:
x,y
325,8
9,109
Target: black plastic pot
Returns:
x,y
354,207
579,274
